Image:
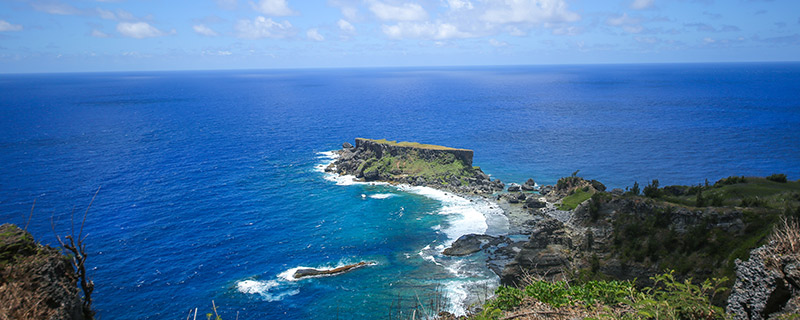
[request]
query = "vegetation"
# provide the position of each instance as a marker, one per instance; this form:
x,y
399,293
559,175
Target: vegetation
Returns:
x,y
778,177
444,167
667,298
579,196
412,144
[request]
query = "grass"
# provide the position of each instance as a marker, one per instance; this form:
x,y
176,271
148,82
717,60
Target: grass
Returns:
x,y
572,201
668,298
444,167
413,144
755,191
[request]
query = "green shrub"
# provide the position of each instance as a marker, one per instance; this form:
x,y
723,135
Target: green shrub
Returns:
x,y
635,189
777,177
506,298
651,190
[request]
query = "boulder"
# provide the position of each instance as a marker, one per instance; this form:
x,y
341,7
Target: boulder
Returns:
x,y
471,243
347,145
513,187
533,202
530,182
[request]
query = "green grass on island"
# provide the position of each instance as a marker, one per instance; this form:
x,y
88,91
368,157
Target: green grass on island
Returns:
x,y
572,201
413,144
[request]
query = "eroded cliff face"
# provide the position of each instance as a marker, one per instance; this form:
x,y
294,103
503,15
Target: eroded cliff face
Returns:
x,y
414,164
36,282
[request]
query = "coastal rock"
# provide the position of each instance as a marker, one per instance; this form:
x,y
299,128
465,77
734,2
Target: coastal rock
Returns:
x,y
529,185
36,282
544,255
471,243
513,187
533,202
310,272
347,145
764,291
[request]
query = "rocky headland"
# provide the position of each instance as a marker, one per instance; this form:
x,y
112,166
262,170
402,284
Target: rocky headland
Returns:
x,y
577,230
36,281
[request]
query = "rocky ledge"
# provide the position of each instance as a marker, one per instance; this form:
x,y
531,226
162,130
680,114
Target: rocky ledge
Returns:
x,y
414,164
36,281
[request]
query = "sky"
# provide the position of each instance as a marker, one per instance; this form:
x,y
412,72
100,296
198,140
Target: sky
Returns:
x,y
136,35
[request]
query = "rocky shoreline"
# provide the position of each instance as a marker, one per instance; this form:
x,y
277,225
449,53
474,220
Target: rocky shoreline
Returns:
x,y
577,229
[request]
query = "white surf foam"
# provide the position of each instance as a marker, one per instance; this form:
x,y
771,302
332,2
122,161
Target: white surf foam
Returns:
x,y
270,290
381,195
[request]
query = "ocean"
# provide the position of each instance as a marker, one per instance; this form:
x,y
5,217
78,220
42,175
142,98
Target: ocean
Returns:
x,y
210,187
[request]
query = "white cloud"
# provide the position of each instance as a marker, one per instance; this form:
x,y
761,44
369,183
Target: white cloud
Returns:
x,y
313,34
261,27
216,53
6,26
424,30
641,4
138,30
99,34
277,8
528,11
56,8
106,14
403,12
203,30
631,25
496,43
459,4
345,26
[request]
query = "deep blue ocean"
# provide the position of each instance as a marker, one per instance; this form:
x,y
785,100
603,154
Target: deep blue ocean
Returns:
x,y
210,187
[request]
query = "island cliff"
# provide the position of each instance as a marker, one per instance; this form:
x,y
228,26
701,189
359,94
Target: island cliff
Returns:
x,y
414,164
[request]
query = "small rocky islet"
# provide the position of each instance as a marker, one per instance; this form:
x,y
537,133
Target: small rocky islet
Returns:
x,y
579,228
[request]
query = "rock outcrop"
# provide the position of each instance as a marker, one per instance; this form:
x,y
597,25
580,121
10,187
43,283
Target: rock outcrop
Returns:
x,y
311,272
36,281
415,164
767,284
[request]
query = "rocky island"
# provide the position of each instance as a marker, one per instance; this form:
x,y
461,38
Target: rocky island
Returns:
x,y
414,164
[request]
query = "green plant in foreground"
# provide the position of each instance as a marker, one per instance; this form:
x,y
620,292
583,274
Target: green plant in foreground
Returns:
x,y
668,298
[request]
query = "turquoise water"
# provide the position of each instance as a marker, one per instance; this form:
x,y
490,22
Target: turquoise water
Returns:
x,y
210,187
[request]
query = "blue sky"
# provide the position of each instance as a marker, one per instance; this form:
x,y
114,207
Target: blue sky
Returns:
x,y
112,35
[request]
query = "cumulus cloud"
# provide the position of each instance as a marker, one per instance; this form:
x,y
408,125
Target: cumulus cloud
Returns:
x,y
262,27
138,30
424,30
6,26
641,4
403,12
313,34
277,8
528,11
203,30
345,26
